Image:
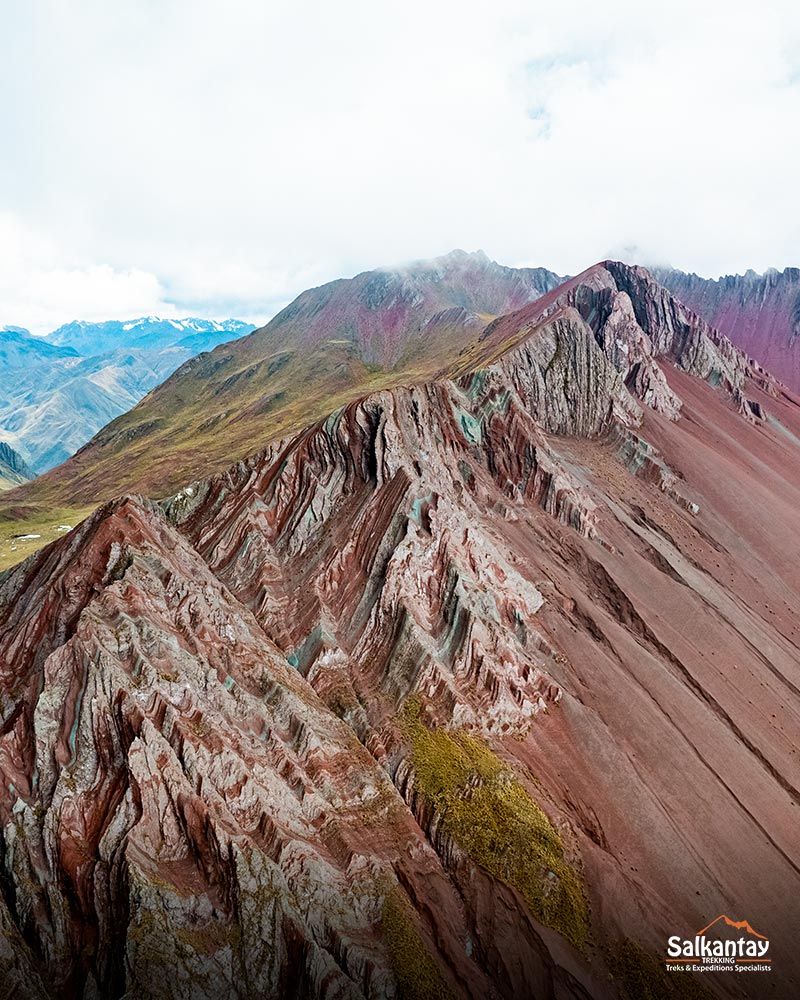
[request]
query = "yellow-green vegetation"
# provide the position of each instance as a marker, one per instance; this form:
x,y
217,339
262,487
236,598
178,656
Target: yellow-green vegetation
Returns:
x,y
226,405
641,976
492,818
211,937
193,426
46,524
418,977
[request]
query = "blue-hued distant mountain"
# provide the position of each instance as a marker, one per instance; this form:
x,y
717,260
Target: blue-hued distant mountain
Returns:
x,y
19,348
148,332
13,470
57,391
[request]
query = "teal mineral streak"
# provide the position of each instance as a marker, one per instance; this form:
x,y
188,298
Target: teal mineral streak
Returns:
x,y
633,456
332,421
466,471
416,507
305,654
73,734
471,427
476,384
229,682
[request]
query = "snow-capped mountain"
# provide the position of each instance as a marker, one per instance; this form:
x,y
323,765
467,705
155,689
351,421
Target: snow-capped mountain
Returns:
x,y
58,390
148,332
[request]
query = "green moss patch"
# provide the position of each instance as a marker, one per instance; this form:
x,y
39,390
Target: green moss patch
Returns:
x,y
493,819
418,976
641,976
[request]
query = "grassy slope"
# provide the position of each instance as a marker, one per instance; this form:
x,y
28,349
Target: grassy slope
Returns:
x,y
220,408
48,524
332,344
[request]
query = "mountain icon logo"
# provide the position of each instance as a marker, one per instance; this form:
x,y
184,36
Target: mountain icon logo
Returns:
x,y
739,925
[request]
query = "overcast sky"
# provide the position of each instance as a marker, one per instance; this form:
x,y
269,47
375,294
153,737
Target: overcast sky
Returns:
x,y
193,157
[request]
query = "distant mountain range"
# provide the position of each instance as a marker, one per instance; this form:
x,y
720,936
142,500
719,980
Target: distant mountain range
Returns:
x,y
59,390
148,333
759,312
19,349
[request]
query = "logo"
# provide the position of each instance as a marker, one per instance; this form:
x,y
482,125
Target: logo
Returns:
x,y
724,945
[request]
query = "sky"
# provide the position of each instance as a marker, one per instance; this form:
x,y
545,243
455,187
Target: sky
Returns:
x,y
189,157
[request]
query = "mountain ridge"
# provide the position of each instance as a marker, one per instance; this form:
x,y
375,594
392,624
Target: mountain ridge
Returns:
x,y
759,312
256,729
311,357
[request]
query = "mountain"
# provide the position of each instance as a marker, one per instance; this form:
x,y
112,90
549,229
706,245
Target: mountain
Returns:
x,y
357,334
147,332
13,470
18,349
392,315
53,398
759,312
480,686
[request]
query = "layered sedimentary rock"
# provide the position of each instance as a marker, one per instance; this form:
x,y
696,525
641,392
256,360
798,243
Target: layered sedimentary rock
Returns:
x,y
480,687
759,312
345,338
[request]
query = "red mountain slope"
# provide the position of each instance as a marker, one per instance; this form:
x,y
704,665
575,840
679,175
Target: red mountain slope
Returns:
x,y
450,694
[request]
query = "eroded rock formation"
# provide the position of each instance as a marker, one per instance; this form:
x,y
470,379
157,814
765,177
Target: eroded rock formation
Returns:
x,y
458,692
759,312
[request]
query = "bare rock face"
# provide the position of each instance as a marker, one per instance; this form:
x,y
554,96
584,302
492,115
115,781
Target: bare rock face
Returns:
x,y
457,693
759,312
636,321
178,797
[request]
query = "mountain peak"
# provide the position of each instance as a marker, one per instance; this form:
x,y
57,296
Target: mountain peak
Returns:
x,y
459,256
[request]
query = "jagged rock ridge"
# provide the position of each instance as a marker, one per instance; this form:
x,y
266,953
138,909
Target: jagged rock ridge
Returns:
x,y
759,312
211,742
342,339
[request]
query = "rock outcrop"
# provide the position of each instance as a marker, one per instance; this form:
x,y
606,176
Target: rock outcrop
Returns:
x,y
13,470
759,312
478,687
348,337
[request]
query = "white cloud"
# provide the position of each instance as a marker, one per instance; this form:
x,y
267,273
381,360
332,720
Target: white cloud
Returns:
x,y
175,155
39,293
